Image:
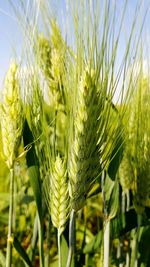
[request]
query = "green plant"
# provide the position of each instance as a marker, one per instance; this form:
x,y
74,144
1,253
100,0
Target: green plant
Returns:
x,y
12,126
81,144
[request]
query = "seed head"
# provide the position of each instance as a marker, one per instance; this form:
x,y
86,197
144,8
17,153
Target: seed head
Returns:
x,y
43,55
84,162
12,116
59,200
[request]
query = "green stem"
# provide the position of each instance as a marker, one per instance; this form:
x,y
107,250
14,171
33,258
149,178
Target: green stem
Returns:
x,y
59,249
127,259
139,219
102,253
106,243
128,200
123,202
10,222
41,252
134,255
119,251
71,238
34,238
133,248
48,243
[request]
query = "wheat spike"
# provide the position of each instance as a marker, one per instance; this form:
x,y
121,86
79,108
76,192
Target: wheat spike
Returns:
x,y
43,55
139,138
58,64
84,162
36,111
59,196
50,55
12,116
57,69
126,173
38,125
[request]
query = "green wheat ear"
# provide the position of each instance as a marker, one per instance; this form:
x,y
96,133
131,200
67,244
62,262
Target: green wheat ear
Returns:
x,y
42,50
58,65
126,173
11,116
84,161
51,57
59,195
139,138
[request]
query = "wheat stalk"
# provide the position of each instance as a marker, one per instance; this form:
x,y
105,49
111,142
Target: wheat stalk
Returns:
x,y
139,145
59,196
11,124
11,116
139,139
50,55
84,162
126,178
42,51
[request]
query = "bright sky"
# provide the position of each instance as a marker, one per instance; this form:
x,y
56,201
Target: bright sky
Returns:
x,y
10,35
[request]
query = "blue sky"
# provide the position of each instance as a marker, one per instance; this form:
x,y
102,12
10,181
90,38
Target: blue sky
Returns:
x,y
10,34
10,37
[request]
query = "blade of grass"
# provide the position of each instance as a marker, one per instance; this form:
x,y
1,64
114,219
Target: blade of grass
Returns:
x,y
71,238
10,222
36,185
21,251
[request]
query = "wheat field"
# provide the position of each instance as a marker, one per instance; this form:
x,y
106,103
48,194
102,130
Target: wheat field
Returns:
x,y
75,139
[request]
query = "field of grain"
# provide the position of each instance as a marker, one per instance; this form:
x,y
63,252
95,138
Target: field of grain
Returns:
x,y
75,139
